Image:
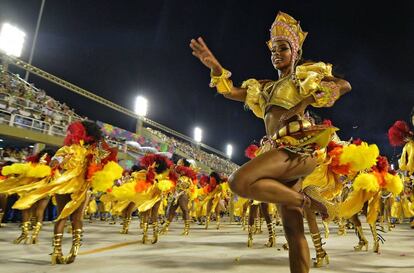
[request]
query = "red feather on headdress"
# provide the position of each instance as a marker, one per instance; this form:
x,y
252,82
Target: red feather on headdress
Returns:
x,y
250,151
399,133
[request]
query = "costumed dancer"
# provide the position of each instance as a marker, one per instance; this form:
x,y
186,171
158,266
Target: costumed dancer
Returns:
x,y
338,160
185,190
151,191
215,191
366,194
85,162
287,151
19,177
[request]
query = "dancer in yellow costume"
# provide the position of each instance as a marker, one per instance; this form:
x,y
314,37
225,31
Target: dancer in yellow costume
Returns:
x,y
290,143
366,191
21,175
85,162
185,191
147,190
215,191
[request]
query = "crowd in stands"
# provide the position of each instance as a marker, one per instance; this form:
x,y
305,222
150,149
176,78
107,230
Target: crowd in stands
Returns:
x,y
23,105
28,103
14,154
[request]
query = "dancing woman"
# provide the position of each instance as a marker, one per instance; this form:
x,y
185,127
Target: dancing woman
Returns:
x,y
290,142
85,162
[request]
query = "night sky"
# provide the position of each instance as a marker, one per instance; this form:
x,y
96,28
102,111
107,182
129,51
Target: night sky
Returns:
x,y
120,49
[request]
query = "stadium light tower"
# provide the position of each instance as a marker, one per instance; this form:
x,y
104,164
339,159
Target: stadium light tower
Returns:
x,y
141,109
11,40
229,150
198,134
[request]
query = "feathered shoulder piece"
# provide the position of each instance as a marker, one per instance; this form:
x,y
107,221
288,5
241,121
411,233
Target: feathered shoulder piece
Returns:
x,y
399,133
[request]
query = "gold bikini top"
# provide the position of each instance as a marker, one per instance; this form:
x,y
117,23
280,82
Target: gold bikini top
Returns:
x,y
286,92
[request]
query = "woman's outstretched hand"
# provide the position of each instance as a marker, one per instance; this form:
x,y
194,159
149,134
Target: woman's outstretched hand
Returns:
x,y
202,52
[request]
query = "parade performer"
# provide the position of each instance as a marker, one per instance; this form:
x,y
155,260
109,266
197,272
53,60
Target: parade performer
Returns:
x,y
185,190
85,162
366,193
21,175
215,191
288,148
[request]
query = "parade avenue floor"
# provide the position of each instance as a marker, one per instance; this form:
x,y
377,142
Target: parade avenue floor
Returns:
x,y
104,250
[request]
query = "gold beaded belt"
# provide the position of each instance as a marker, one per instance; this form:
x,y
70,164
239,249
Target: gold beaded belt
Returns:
x,y
293,127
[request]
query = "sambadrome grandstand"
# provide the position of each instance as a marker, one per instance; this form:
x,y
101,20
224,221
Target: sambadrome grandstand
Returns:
x,y
29,118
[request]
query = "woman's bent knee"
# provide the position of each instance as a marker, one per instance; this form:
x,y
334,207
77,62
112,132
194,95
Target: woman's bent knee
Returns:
x,y
237,185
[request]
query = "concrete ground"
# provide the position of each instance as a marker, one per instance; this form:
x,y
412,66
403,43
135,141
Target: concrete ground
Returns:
x,y
106,251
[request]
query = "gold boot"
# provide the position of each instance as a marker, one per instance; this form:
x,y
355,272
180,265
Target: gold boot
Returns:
x,y
76,243
155,232
218,222
257,226
186,227
250,236
125,225
326,226
376,247
165,229
321,255
272,237
57,256
362,241
244,223
35,233
25,233
1,219
145,233
207,220
341,228
314,200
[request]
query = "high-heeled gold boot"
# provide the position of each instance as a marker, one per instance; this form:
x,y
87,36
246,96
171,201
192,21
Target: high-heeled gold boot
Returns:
x,y
76,244
186,227
376,246
165,229
321,255
207,220
1,219
314,200
144,233
155,232
249,236
326,227
341,228
218,222
25,233
257,226
57,256
244,223
272,236
362,240
33,221
125,225
35,233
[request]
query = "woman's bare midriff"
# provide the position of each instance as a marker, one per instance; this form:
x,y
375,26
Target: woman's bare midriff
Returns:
x,y
272,119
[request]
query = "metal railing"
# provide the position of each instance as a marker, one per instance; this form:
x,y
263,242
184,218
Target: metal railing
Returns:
x,y
76,89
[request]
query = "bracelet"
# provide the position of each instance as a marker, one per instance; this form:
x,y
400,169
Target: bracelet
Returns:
x,y
222,83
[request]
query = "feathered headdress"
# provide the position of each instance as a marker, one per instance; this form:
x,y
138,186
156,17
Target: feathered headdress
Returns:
x,y
76,133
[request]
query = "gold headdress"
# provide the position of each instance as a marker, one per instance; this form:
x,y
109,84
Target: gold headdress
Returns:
x,y
286,28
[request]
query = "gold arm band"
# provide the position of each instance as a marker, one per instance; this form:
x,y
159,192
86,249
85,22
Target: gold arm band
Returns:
x,y
222,83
